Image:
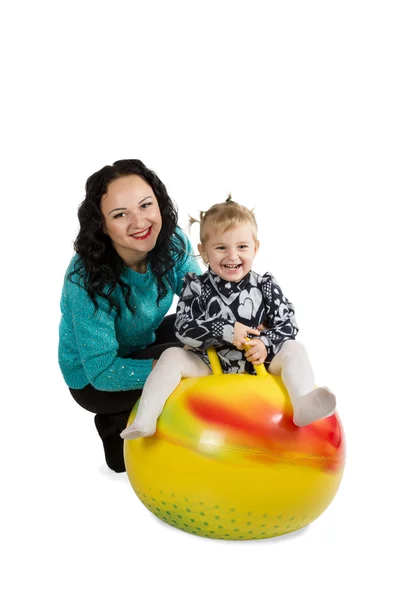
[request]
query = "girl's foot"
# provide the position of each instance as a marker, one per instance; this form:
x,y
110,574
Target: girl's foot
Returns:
x,y
137,430
318,404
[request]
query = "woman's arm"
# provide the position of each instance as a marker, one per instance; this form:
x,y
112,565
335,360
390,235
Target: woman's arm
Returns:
x,y
97,345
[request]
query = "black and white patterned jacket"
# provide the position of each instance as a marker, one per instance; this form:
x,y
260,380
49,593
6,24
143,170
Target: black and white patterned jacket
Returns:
x,y
209,306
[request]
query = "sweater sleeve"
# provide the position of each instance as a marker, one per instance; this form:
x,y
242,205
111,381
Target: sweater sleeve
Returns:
x,y
192,325
281,324
98,346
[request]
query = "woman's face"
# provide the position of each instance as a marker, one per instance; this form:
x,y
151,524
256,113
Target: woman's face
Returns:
x,y
131,217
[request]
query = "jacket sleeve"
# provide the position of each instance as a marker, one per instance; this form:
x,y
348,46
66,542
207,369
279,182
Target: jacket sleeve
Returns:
x,y
281,322
193,326
188,264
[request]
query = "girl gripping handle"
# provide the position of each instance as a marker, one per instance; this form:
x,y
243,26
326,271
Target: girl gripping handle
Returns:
x,y
221,308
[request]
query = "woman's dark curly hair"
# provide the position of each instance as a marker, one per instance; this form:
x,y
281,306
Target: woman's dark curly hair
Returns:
x,y
99,266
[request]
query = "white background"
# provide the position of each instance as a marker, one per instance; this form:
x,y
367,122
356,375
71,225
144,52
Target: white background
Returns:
x,y
293,107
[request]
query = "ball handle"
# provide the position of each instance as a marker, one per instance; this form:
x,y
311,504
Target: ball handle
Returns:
x,y
216,365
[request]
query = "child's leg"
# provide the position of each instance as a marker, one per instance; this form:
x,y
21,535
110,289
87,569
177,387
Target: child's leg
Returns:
x,y
309,403
172,366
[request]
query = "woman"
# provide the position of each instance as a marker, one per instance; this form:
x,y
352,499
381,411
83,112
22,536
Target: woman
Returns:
x,y
130,260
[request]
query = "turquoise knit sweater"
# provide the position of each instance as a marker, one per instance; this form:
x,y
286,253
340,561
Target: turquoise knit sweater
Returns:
x,y
93,346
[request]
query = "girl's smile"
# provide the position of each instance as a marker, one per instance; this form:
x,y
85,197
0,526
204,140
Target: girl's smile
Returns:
x,y
230,254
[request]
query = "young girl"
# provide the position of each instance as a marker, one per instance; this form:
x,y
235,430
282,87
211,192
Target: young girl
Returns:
x,y
221,308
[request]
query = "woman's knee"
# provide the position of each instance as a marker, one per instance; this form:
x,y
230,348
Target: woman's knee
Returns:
x,y
100,402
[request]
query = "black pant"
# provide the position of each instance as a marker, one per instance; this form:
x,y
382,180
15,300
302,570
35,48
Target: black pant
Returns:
x,y
113,408
106,403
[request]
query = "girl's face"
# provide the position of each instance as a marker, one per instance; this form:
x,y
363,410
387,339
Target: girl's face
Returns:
x,y
230,254
132,218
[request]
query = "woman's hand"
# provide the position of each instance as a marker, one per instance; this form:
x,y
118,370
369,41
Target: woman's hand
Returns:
x,y
240,334
256,352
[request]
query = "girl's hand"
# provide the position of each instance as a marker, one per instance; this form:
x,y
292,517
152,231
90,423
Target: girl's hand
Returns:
x,y
257,352
240,334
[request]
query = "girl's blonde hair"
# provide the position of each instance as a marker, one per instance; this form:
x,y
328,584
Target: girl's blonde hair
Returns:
x,y
222,217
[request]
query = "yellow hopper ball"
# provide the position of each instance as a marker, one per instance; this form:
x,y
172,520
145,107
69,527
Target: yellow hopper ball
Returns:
x,y
228,462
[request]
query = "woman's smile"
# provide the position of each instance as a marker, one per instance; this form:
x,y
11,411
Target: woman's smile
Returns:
x,y
142,235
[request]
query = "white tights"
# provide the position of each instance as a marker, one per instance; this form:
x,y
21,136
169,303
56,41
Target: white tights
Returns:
x,y
309,403
291,362
173,365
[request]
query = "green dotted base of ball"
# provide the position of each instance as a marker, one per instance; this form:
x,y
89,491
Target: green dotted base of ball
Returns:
x,y
215,521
